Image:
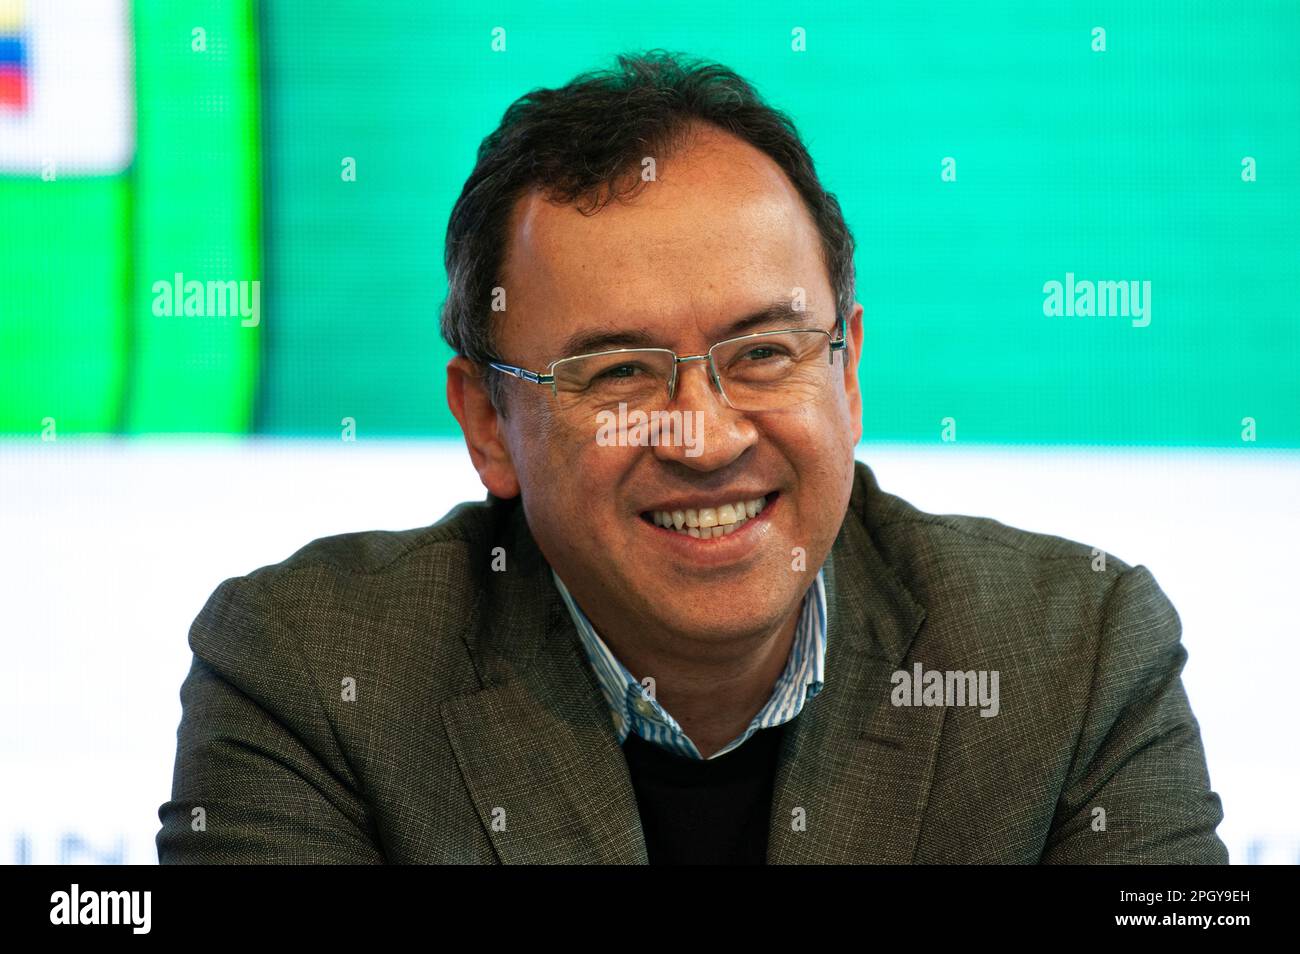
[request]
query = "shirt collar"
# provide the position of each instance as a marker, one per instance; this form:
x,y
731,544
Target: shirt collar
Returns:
x,y
632,708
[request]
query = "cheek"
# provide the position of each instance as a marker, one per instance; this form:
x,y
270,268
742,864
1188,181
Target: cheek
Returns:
x,y
819,443
838,425
814,434
545,444
572,475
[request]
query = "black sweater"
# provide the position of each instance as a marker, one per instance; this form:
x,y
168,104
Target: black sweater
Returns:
x,y
709,812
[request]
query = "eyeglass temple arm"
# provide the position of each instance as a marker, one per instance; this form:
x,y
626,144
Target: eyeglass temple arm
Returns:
x,y
523,373
842,342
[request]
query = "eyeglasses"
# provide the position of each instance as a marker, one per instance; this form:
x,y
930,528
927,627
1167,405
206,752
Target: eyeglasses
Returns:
x,y
766,371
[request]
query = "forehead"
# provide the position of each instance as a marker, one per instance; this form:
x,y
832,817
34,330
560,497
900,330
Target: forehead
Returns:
x,y
720,228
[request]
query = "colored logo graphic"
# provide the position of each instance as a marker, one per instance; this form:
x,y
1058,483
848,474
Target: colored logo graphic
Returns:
x,y
66,96
13,56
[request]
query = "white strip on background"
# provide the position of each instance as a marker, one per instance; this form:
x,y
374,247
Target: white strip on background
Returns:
x,y
112,547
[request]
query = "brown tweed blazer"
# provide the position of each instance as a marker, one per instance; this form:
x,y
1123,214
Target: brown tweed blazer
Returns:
x,y
475,731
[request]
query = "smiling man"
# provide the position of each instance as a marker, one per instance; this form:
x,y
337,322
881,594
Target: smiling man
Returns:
x,y
709,253
737,649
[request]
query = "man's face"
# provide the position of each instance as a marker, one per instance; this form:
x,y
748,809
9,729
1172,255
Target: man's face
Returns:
x,y
720,235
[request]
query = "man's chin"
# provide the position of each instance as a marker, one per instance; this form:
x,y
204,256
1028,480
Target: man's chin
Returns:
x,y
713,615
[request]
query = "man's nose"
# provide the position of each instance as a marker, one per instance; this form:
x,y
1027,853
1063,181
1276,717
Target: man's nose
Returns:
x,y
712,433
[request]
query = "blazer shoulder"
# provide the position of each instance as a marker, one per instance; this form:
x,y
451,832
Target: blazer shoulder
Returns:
x,y
363,603
360,553
910,534
979,567
362,587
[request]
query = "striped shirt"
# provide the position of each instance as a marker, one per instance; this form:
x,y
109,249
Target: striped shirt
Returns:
x,y
634,709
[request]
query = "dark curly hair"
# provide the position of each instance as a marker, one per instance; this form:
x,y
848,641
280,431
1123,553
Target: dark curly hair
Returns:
x,y
583,143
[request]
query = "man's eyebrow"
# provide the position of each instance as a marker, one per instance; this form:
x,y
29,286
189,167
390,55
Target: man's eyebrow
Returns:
x,y
778,313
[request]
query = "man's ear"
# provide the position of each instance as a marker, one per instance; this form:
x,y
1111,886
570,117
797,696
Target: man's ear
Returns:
x,y
852,354
468,399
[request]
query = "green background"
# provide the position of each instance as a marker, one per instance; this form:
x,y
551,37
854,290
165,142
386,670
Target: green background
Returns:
x,y
1114,166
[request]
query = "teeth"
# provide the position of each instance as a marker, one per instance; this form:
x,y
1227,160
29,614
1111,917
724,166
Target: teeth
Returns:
x,y
707,523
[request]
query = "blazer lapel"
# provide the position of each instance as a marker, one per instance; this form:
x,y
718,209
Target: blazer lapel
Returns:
x,y
855,771
536,746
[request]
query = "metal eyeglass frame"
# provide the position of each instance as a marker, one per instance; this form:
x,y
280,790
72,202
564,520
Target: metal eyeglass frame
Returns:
x,y
548,377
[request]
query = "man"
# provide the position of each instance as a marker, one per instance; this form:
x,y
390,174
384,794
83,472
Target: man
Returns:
x,y
708,637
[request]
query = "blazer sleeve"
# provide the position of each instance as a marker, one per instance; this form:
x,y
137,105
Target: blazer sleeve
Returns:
x,y
1139,757
258,777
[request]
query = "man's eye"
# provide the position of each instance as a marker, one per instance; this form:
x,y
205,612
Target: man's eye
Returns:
x,y
619,371
763,352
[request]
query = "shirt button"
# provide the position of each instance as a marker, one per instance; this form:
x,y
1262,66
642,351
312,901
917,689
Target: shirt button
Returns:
x,y
644,707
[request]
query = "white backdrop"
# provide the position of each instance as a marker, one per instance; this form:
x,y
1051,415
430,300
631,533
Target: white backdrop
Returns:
x,y
112,547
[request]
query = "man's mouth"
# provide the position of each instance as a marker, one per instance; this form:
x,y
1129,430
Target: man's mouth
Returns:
x,y
708,522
